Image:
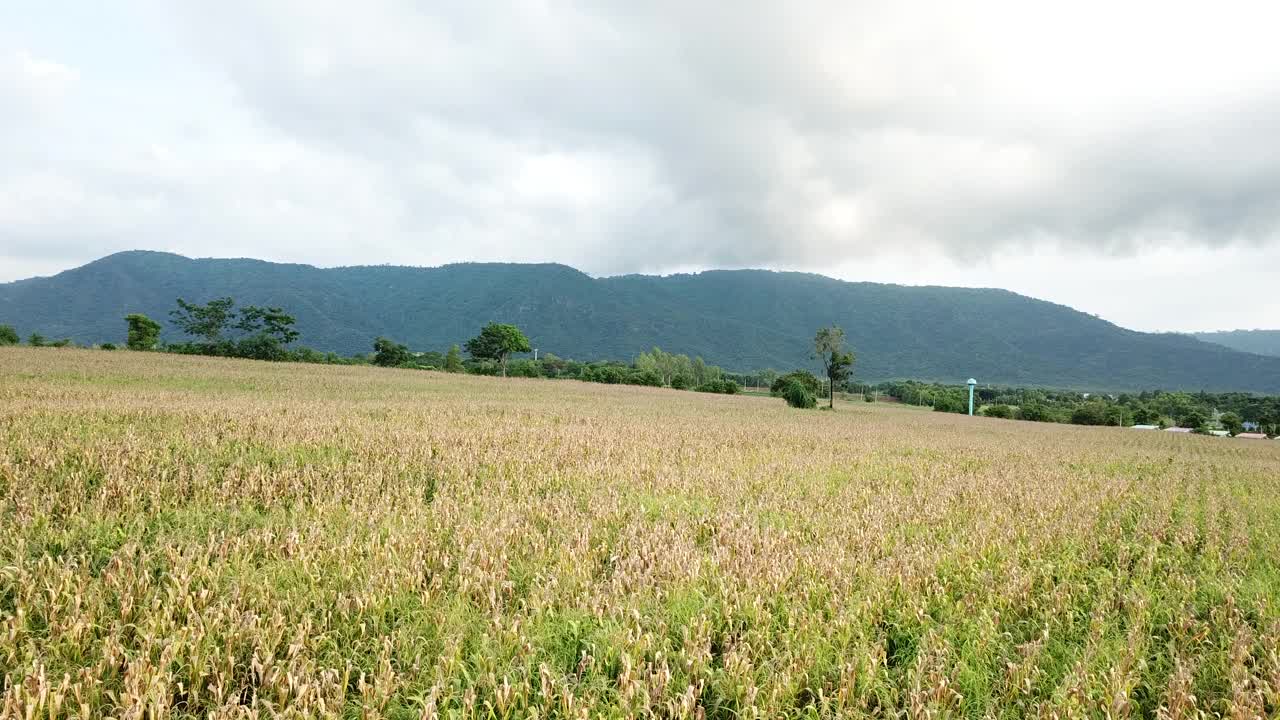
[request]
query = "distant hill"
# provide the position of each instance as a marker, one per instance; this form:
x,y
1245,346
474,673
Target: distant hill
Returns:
x,y
740,319
1262,342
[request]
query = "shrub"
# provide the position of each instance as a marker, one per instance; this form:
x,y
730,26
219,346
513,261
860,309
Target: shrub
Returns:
x,y
1035,413
389,353
644,377
804,377
108,346
868,397
998,411
8,336
799,396
722,387
680,382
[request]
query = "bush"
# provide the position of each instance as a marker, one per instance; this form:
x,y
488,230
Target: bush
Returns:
x,y
798,396
8,336
680,382
108,346
868,397
1035,413
607,374
998,411
389,353
648,378
722,387
804,377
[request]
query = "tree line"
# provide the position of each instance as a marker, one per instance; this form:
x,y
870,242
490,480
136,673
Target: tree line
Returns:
x,y
1202,411
220,328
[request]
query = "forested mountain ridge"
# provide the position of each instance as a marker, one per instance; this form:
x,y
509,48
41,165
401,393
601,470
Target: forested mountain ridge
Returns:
x,y
740,319
1262,342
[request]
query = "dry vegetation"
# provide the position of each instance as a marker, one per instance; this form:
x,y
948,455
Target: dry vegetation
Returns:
x,y
193,537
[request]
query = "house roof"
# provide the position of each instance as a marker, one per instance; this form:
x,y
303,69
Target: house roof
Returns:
x,y
1178,430
1252,436
1144,427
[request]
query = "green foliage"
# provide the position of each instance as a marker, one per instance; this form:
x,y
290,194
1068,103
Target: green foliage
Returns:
x,y
453,360
1193,418
1035,412
143,333
737,319
8,336
804,377
206,321
388,353
680,382
36,340
107,346
496,342
721,386
828,347
1232,423
649,378
268,322
998,411
797,395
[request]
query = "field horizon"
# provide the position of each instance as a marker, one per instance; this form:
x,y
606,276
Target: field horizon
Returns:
x,y
203,537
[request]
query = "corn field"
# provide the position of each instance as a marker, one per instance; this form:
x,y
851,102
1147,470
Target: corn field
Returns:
x,y
187,537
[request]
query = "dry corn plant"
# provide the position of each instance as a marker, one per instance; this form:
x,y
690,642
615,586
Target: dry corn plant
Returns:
x,y
192,537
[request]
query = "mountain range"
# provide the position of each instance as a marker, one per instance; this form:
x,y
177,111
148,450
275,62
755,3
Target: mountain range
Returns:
x,y
1262,342
739,319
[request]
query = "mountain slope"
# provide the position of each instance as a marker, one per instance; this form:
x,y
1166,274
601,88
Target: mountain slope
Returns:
x,y
740,319
1262,342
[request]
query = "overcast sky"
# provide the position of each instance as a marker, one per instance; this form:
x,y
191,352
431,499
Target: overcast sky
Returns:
x,y
1122,158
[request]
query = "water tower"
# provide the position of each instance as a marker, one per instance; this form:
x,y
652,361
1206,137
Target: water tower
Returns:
x,y
972,382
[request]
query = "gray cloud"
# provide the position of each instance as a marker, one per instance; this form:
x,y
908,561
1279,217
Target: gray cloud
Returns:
x,y
621,136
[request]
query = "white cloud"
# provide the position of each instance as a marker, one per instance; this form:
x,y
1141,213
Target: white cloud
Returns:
x,y
623,137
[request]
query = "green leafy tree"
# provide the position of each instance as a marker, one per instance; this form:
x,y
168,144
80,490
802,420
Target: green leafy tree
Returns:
x,y
797,395
496,342
208,321
1193,418
1232,423
36,340
453,360
271,322
388,353
8,336
804,377
144,333
828,347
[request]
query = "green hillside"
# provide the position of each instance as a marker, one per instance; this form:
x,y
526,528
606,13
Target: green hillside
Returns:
x,y
742,319
1262,342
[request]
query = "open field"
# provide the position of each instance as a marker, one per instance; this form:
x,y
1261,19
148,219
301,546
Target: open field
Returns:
x,y
192,537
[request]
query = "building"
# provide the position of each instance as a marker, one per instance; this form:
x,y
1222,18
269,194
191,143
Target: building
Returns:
x,y
1252,436
1145,427
1178,430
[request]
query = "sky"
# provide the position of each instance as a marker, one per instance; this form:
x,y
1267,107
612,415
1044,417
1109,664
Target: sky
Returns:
x,y
1121,158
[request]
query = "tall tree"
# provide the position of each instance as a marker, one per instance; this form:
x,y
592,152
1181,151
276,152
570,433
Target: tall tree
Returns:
x,y
453,360
828,347
144,333
497,341
388,353
8,336
270,321
208,321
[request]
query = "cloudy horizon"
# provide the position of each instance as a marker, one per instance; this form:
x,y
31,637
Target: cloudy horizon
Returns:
x,y
1119,160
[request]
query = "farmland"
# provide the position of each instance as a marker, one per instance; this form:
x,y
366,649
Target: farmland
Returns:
x,y
192,537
